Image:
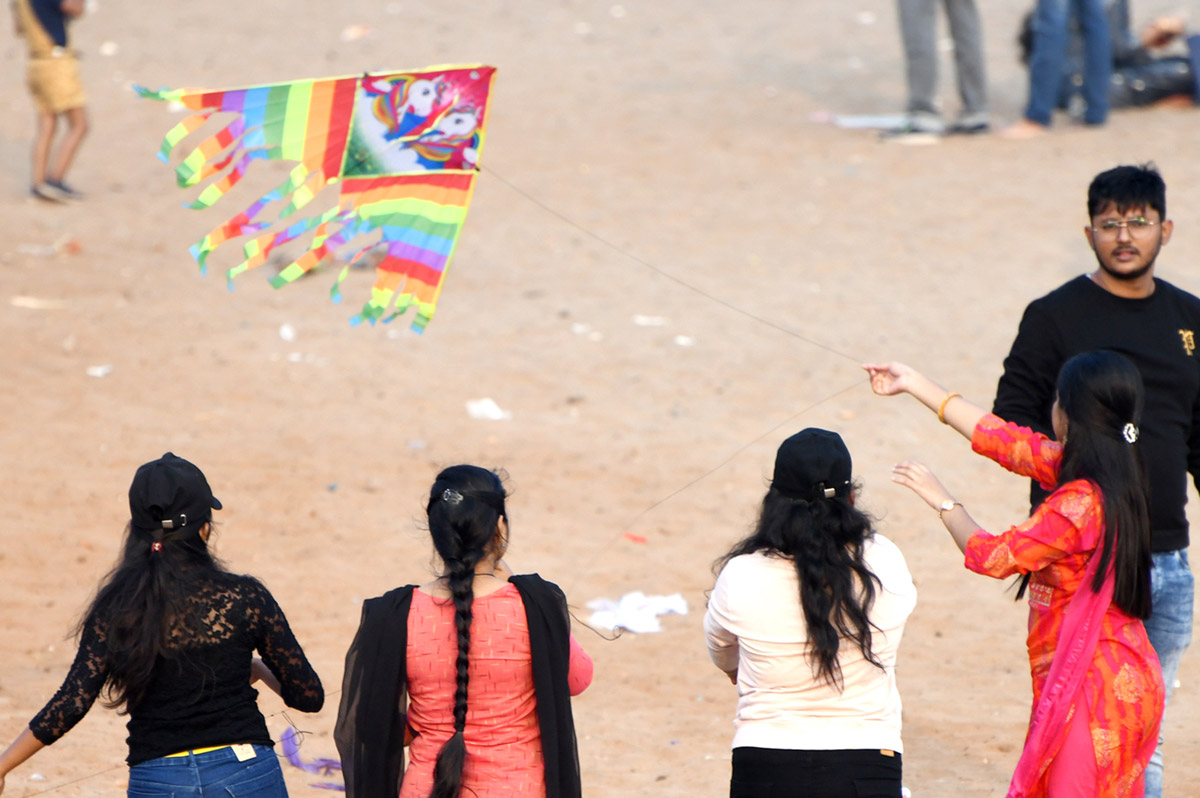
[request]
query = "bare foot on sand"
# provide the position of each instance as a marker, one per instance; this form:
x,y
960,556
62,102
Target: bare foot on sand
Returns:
x,y
1023,130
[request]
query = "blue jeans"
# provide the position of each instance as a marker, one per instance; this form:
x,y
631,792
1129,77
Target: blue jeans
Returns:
x,y
1050,20
1170,630
209,775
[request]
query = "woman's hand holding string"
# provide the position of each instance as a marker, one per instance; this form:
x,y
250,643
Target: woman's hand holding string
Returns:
x,y
892,379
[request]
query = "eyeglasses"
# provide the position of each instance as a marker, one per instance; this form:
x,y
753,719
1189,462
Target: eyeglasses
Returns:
x,y
1138,226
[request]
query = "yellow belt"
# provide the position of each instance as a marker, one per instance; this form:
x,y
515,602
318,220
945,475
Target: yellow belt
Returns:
x,y
197,751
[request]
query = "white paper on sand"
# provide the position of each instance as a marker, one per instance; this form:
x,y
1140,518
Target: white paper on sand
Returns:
x,y
635,611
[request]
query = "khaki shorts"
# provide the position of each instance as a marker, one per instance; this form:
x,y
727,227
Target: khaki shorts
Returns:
x,y
54,83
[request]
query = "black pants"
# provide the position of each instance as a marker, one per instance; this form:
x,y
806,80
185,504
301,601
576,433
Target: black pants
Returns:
x,y
779,773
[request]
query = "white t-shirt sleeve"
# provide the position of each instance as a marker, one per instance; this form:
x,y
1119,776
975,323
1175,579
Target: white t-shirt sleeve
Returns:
x,y
722,644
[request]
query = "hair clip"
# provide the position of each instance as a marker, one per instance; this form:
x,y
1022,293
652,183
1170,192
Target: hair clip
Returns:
x,y
451,496
156,546
1130,433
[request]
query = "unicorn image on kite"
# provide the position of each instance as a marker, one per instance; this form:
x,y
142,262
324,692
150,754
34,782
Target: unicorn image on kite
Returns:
x,y
403,149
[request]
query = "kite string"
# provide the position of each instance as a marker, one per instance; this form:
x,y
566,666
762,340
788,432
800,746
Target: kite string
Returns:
x,y
662,272
711,297
612,540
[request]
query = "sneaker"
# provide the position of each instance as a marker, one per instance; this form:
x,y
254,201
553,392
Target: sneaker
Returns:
x,y
44,193
968,128
64,191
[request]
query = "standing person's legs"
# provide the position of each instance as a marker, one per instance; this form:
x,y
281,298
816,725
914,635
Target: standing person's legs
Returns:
x,y
967,32
1170,630
918,28
43,137
1046,60
1097,59
77,128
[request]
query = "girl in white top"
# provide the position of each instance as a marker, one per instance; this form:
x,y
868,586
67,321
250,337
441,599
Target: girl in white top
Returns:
x,y
806,619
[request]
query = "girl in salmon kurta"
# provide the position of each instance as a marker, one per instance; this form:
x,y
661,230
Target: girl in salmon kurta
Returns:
x,y
502,734
472,672
1097,687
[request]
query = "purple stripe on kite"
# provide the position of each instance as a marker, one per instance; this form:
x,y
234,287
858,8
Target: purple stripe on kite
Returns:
x,y
234,101
431,259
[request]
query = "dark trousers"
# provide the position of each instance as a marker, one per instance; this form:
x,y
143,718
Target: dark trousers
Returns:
x,y
778,773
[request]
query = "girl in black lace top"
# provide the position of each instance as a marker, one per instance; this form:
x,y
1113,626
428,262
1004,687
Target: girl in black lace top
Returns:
x,y
170,638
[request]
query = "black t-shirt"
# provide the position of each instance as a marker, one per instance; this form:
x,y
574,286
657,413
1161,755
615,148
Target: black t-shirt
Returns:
x,y
200,697
1158,333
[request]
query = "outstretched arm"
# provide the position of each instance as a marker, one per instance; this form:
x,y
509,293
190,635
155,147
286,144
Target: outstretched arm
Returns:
x,y
891,379
25,746
920,480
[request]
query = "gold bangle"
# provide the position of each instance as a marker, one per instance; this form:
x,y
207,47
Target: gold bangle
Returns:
x,y
942,406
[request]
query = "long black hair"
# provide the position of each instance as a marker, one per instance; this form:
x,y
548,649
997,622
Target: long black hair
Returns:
x,y
465,506
824,540
149,593
1101,394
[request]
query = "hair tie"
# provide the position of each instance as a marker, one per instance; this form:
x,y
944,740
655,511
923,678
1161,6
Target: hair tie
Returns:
x,y
156,546
1130,433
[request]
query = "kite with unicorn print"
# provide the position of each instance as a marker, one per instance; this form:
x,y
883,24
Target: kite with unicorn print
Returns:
x,y
401,148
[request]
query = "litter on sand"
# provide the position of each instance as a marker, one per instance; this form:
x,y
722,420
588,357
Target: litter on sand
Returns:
x,y
486,409
635,611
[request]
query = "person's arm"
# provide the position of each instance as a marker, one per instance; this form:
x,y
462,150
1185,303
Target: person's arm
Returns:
x,y
1025,391
25,746
920,480
299,685
1193,455
1162,31
79,689
891,379
722,644
259,672
579,668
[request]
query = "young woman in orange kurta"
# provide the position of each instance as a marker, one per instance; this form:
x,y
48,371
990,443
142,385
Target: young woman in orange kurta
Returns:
x,y
1097,686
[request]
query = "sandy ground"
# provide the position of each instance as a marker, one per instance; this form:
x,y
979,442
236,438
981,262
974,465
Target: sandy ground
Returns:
x,y
654,159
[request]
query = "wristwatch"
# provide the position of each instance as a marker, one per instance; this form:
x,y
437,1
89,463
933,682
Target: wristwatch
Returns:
x,y
947,506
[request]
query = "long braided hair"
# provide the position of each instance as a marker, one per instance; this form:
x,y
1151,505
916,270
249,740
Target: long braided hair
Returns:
x,y
465,506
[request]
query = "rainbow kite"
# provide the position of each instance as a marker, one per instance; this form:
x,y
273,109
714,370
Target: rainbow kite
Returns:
x,y
402,147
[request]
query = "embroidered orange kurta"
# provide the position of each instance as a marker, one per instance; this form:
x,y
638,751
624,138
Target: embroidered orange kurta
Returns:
x,y
1123,690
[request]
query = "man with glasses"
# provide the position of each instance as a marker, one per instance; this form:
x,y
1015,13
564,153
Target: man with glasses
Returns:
x,y
1123,307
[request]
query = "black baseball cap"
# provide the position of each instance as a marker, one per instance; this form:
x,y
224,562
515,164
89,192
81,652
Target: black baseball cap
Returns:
x,y
170,493
813,464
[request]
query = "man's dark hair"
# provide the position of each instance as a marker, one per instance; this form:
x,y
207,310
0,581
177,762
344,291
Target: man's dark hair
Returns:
x,y
1128,187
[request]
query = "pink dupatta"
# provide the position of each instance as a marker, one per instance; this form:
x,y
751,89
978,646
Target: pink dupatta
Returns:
x,y
1072,657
